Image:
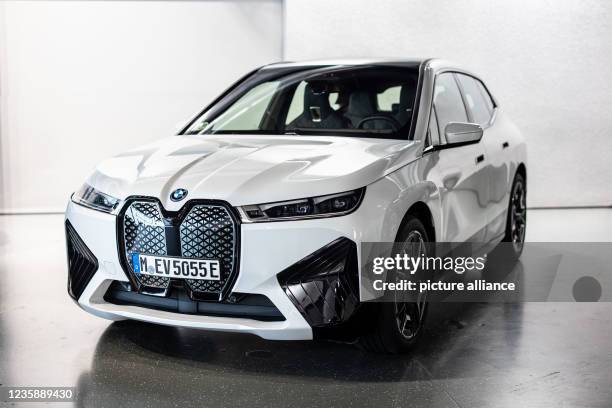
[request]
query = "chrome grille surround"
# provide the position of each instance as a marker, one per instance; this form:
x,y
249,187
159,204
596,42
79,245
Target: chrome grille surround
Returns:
x,y
201,230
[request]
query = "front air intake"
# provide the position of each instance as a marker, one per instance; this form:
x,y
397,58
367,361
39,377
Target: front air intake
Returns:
x,y
324,285
82,264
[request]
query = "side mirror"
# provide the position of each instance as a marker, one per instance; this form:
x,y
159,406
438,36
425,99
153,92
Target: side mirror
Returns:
x,y
458,133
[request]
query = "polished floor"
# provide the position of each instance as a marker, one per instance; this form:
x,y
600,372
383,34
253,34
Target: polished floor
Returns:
x,y
473,355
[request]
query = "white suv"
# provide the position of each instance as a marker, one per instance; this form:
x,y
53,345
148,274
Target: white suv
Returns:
x,y
251,219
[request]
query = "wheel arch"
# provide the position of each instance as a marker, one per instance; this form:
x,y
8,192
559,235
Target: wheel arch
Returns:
x,y
421,211
522,170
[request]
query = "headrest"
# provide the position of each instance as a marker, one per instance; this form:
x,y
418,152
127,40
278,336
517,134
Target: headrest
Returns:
x,y
360,104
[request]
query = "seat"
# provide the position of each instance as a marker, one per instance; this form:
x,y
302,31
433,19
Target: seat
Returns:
x,y
360,106
318,113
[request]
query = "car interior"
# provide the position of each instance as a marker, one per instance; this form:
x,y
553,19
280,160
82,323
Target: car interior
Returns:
x,y
367,103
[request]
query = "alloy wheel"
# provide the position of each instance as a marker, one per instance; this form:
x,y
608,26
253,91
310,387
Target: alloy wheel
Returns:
x,y
518,221
409,315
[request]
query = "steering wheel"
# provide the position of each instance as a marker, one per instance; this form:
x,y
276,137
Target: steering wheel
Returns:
x,y
392,121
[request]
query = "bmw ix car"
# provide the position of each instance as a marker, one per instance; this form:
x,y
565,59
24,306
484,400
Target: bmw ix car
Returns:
x,y
250,219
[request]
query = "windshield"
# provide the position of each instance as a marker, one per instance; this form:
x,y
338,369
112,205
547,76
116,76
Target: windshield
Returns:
x,y
371,101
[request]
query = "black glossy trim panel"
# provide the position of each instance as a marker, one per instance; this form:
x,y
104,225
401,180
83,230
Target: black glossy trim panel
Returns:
x,y
82,264
449,146
324,286
246,306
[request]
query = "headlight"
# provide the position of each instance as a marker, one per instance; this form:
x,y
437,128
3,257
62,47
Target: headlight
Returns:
x,y
315,207
90,197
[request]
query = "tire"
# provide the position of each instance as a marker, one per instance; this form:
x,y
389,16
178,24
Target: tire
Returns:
x,y
386,335
516,221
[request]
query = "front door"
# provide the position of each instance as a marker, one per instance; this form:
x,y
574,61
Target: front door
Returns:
x,y
481,109
460,172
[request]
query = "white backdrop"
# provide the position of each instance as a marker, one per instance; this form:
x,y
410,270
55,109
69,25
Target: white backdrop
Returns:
x,y
548,62
80,81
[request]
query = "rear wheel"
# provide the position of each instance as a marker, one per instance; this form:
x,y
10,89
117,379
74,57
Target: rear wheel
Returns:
x,y
516,223
399,323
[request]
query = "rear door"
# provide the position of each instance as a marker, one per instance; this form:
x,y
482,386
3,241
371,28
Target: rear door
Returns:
x,y
480,109
460,171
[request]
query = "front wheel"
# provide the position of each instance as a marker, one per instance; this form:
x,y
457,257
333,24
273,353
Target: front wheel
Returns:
x,y
399,322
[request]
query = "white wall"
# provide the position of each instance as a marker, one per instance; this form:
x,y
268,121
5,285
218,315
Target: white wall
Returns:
x,y
80,81
548,62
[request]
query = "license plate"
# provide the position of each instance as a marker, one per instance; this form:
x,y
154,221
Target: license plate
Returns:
x,y
176,268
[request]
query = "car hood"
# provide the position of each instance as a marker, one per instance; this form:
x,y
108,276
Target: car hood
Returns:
x,y
250,169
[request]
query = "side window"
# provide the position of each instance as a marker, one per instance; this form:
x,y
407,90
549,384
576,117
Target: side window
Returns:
x,y
447,101
474,99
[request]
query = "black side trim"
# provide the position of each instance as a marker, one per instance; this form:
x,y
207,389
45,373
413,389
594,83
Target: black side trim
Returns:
x,y
324,286
444,146
82,264
247,306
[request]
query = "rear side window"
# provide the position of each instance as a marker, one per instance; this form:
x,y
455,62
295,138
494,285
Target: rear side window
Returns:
x,y
474,99
448,105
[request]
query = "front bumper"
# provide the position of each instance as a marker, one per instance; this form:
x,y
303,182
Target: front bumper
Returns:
x,y
267,249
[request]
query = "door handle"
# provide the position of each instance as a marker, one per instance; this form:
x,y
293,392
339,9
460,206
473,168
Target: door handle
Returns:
x,y
480,159
505,144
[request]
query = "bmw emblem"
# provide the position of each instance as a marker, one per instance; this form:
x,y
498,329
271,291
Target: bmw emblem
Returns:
x,y
178,194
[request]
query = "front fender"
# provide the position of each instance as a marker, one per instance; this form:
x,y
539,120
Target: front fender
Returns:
x,y
402,189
